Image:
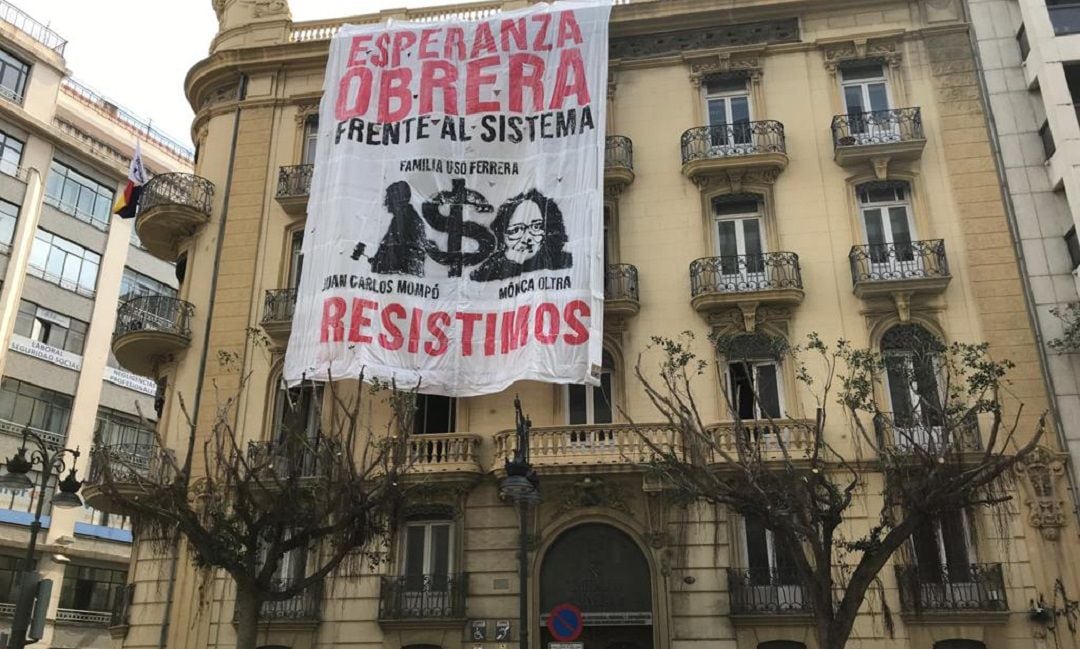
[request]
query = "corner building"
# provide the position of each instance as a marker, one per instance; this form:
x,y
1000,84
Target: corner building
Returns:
x,y
774,168
66,264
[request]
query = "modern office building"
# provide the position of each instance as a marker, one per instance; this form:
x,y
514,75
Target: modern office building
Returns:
x,y
1029,56
774,168
65,263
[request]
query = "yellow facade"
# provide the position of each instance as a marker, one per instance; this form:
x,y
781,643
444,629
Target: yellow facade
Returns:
x,y
254,95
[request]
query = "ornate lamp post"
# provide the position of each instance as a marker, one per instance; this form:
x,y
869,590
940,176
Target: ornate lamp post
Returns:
x,y
522,487
50,462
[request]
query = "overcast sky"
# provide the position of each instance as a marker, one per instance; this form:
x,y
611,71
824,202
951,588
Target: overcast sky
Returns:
x,y
136,52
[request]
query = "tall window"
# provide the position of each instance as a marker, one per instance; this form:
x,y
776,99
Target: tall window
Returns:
x,y
13,73
911,356
311,139
25,404
135,284
587,404
886,217
78,195
10,154
738,236
434,414
66,264
428,555
296,257
297,413
9,216
50,328
866,102
87,588
116,428
728,105
944,550
769,562
755,389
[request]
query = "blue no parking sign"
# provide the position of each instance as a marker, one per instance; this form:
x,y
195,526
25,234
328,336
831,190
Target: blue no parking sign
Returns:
x,y
565,623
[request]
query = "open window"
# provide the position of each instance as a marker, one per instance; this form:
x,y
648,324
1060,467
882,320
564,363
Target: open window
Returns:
x,y
771,581
587,404
912,366
434,414
297,426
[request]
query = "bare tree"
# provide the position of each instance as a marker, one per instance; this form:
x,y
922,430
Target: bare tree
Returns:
x,y
929,453
257,510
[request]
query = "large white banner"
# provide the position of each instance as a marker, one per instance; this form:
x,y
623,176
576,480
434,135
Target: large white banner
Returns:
x,y
455,227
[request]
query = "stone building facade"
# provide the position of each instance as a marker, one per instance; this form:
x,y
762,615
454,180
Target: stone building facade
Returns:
x,y
65,263
864,180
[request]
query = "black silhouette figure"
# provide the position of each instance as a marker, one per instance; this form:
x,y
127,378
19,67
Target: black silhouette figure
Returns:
x,y
530,236
401,251
456,227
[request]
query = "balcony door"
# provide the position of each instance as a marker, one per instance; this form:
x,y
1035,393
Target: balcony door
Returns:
x,y
311,139
889,230
296,258
911,376
944,554
727,103
739,243
866,102
773,579
427,567
298,425
588,405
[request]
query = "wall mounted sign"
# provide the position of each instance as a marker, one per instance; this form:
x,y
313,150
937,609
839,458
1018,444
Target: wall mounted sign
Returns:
x,y
565,623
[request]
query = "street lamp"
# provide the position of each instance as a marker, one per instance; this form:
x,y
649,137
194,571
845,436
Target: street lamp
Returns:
x,y
51,462
522,487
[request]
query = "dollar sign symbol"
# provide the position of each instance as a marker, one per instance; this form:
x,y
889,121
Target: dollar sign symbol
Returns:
x,y
457,228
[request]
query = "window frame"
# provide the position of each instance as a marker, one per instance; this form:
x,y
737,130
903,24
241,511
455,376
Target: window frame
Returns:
x,y
309,139
70,595
6,139
864,85
755,364
22,68
608,370
45,238
420,415
61,177
32,310
428,525
8,218
143,285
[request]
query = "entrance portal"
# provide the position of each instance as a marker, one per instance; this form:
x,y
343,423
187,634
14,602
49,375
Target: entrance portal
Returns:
x,y
600,570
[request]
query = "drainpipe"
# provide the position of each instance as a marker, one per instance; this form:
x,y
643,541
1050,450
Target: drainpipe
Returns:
x,y
1014,230
241,93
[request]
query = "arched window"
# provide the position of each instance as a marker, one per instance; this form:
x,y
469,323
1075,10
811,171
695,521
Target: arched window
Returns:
x,y
781,644
586,404
959,644
912,359
754,379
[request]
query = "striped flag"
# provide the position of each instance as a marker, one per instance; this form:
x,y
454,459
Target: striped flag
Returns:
x,y
129,198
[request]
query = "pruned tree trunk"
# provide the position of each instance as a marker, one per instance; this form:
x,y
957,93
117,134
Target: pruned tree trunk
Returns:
x,y
247,617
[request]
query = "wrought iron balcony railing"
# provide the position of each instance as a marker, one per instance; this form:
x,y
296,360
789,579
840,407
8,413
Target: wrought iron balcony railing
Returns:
x,y
158,313
618,152
294,181
128,462
420,597
926,432
745,273
307,606
121,611
883,262
278,305
286,460
621,282
186,190
738,139
766,591
877,127
965,587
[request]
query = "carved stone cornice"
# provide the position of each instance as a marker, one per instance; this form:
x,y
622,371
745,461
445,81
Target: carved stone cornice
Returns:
x,y
723,64
782,30
737,179
886,49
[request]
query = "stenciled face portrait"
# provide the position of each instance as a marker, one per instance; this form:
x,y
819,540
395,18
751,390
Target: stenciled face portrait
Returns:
x,y
524,233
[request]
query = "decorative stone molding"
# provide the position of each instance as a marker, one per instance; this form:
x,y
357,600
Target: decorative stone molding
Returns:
x,y
887,50
722,64
748,317
306,110
592,492
717,35
737,179
232,14
1042,473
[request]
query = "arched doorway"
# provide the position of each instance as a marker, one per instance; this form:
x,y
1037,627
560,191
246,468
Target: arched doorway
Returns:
x,y
602,571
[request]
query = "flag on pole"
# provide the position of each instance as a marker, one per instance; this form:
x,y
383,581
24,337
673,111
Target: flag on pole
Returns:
x,y
129,198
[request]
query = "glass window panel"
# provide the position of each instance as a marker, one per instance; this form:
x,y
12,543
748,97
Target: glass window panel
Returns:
x,y
728,244
898,372
752,236
954,537
440,550
757,548
927,552
414,550
879,98
768,391
742,390
875,234
858,71
740,109
853,99
718,112
602,400
576,404
898,220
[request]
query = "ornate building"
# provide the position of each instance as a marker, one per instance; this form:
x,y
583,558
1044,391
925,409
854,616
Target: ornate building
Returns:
x,y
774,167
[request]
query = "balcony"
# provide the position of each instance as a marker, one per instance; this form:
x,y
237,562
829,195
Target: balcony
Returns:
x,y
294,188
899,270
423,601
278,307
776,440
582,449
618,163
149,330
718,284
128,467
620,294
172,208
916,435
878,137
709,152
767,594
969,590
303,611
444,456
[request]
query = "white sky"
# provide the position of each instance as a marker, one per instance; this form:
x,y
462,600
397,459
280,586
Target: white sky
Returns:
x,y
136,52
